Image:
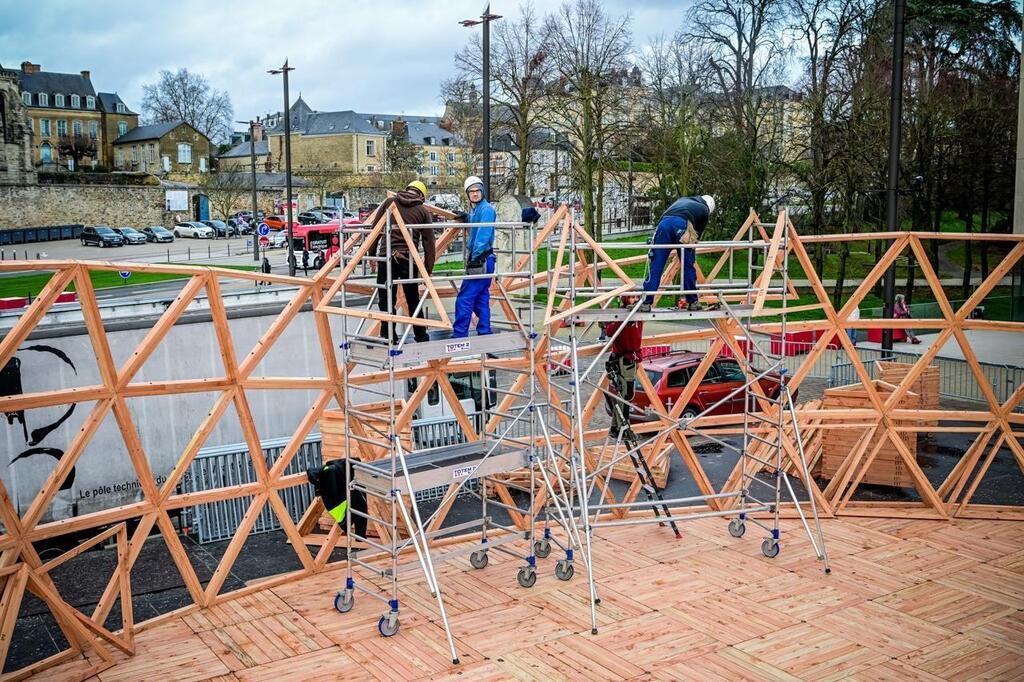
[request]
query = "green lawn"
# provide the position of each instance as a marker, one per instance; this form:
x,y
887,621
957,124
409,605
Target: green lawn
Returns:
x,y
31,285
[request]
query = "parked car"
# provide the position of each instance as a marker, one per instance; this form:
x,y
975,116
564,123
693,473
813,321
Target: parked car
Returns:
x,y
331,212
365,211
240,226
157,233
101,236
313,218
220,228
131,235
193,229
670,374
248,215
278,239
449,202
278,222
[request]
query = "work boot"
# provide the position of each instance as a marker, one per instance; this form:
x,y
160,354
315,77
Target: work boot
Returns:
x,y
695,306
645,308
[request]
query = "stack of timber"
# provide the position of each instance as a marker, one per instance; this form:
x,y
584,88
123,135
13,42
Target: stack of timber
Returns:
x,y
887,468
659,463
926,386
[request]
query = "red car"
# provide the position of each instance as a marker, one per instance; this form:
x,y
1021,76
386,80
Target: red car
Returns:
x,y
670,374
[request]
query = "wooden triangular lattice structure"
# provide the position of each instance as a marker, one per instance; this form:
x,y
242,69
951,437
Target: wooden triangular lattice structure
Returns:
x,y
996,423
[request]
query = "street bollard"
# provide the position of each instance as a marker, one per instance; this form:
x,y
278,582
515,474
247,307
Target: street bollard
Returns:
x,y
26,254
168,255
189,253
208,252
229,248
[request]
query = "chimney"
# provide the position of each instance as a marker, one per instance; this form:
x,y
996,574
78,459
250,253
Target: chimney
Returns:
x,y
257,132
29,67
85,75
398,129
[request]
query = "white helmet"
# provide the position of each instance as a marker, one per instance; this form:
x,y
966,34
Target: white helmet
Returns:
x,y
470,181
710,201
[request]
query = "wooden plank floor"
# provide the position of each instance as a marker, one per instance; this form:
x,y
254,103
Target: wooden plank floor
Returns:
x,y
907,600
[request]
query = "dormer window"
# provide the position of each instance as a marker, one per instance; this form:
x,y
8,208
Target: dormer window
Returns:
x,y
76,102
26,97
121,108
44,99
90,102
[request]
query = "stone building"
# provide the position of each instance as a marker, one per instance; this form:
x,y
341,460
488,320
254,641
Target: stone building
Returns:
x,y
173,149
15,135
65,107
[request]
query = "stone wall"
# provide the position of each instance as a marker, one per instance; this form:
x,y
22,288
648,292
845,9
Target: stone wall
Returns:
x,y
42,205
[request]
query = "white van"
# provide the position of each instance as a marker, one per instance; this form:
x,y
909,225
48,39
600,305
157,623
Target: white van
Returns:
x,y
434,422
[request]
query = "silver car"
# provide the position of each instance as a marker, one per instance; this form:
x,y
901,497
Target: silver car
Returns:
x,y
193,229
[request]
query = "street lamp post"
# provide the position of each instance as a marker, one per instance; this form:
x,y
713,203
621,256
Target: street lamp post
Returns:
x,y
252,165
288,165
892,188
486,18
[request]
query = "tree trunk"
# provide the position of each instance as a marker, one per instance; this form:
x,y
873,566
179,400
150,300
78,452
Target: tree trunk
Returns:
x,y
837,293
965,287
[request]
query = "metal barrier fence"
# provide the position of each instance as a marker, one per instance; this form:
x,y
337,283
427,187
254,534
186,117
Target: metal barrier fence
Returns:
x,y
230,465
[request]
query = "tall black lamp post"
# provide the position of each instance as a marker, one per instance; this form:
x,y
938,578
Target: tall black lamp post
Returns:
x,y
287,164
892,187
486,18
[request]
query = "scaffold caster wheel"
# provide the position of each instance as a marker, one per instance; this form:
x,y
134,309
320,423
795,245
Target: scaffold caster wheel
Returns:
x,y
564,570
527,576
770,548
344,601
737,528
388,626
478,559
542,548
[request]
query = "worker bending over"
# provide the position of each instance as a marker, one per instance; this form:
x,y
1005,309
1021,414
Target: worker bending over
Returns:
x,y
682,223
621,366
474,296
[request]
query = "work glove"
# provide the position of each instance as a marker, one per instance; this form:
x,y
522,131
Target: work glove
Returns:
x,y
461,217
530,215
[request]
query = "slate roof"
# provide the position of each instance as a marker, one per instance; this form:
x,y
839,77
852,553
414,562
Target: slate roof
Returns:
x,y
242,149
308,122
109,101
56,84
150,132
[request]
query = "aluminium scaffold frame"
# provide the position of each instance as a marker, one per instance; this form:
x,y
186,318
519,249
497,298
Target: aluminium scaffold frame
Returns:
x,y
767,414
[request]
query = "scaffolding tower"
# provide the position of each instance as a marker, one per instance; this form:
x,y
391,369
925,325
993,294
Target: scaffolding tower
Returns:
x,y
756,271
390,471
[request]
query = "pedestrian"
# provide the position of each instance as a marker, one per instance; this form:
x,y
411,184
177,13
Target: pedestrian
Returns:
x,y
319,261
474,297
265,269
305,261
901,311
621,366
410,205
682,223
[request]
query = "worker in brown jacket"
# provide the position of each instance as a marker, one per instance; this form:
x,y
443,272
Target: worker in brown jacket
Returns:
x,y
411,207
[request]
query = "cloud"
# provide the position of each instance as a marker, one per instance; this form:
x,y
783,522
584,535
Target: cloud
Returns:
x,y
386,56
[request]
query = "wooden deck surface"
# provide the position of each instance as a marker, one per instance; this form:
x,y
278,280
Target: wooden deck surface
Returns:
x,y
913,600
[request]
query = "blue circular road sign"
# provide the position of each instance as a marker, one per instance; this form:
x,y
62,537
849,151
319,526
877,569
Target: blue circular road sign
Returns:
x,y
263,229
124,274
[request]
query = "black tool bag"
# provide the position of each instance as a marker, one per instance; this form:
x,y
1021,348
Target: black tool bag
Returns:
x,y
329,483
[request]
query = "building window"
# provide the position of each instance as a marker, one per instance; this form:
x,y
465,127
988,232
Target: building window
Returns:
x,y
135,154
151,153
62,128
118,157
76,102
26,97
45,153
371,148
44,127
184,153
433,156
202,164
121,109
370,169
451,171
44,99
434,171
94,130
76,126
122,128
90,102
451,157
167,163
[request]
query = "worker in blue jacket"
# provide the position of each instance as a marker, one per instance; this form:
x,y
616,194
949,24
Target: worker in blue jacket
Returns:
x,y
475,294
673,229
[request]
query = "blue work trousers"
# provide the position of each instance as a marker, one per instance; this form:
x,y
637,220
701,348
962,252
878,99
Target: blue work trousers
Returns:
x,y
474,298
659,257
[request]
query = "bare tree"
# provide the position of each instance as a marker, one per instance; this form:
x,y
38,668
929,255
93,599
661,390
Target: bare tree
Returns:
x,y
185,96
521,65
77,147
227,190
590,100
463,119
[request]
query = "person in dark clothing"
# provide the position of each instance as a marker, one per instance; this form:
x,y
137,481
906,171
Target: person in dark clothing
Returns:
x,y
674,228
265,269
305,261
410,204
319,261
621,366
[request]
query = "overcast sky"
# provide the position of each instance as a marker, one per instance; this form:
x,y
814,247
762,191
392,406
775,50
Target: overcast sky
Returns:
x,y
382,56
